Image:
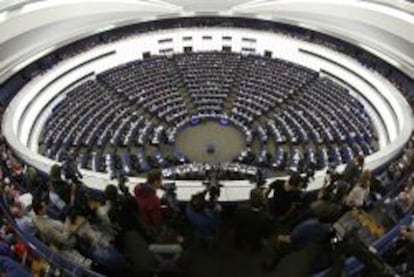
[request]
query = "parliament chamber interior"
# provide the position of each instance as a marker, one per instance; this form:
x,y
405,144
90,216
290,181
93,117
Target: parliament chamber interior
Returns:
x,y
206,138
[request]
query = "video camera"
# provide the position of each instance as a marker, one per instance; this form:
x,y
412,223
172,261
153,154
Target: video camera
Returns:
x,y
121,179
170,196
212,183
308,174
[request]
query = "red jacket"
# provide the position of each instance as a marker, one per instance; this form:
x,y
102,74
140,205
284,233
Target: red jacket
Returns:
x,y
149,204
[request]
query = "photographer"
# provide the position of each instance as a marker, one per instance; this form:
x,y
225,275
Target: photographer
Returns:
x,y
67,197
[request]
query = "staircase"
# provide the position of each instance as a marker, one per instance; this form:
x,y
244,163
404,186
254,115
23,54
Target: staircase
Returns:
x,y
232,95
182,89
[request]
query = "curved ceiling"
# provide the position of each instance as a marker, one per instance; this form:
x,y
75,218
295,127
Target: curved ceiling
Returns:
x,y
29,28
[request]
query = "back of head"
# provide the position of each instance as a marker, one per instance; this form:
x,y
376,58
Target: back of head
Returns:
x,y
326,211
154,177
198,202
37,206
359,160
295,180
55,172
111,193
366,178
257,199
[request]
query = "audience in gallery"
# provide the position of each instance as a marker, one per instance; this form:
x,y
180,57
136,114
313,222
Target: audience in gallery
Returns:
x,y
360,191
148,201
120,236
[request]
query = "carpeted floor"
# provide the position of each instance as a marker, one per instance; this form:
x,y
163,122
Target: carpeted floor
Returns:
x,y
227,141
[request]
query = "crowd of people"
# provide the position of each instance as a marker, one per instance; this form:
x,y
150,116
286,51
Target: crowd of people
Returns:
x,y
137,233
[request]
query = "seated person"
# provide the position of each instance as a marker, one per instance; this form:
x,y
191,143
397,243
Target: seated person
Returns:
x,y
253,222
55,200
54,233
205,220
148,201
102,217
97,244
285,195
50,230
401,204
401,253
312,230
358,195
23,221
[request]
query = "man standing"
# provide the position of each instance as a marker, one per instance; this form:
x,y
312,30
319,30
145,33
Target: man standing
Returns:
x,y
253,223
148,201
285,195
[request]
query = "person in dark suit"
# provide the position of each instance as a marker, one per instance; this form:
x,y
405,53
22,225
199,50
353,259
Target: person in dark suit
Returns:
x,y
253,224
285,195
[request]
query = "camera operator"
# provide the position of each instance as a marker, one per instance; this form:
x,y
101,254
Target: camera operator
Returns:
x,y
69,197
